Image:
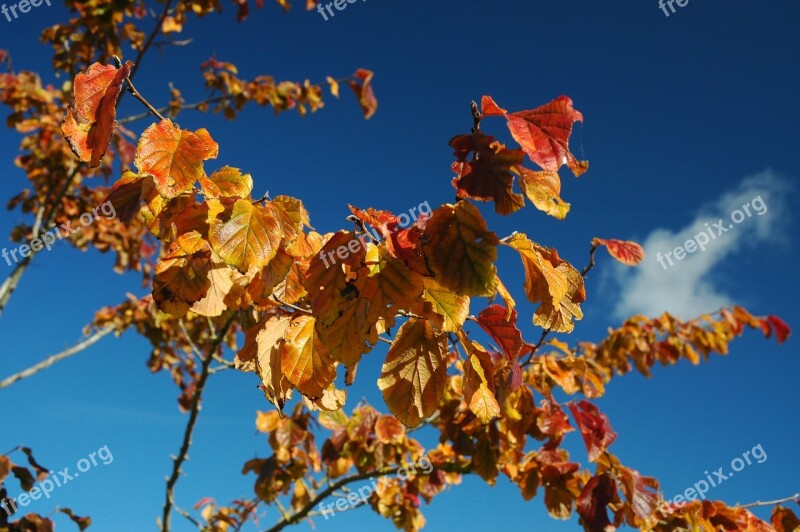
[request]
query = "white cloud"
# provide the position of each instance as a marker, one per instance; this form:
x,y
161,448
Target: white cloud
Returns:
x,y
688,288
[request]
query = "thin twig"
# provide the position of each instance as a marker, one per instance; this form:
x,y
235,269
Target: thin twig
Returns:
x,y
166,108
795,497
135,93
190,424
49,361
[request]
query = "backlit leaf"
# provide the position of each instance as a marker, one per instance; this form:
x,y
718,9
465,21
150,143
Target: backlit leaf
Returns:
x,y
460,250
91,118
625,251
414,374
245,235
304,359
174,157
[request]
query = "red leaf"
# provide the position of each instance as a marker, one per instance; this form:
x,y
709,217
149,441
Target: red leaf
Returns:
x,y
502,327
488,175
782,330
595,428
625,251
543,132
593,501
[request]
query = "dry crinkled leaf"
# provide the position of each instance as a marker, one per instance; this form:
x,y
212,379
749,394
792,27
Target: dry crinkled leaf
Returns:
x,y
414,374
90,119
625,251
268,346
551,281
173,156
245,235
460,250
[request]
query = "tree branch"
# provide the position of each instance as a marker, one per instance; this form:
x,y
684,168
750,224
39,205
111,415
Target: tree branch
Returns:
x,y
795,497
190,424
46,363
306,510
40,227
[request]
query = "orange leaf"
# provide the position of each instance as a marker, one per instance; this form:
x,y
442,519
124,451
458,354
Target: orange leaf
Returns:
x,y
362,87
174,157
91,118
625,251
782,330
305,360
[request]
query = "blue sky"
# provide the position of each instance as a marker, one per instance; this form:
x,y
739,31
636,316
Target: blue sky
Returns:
x,y
686,118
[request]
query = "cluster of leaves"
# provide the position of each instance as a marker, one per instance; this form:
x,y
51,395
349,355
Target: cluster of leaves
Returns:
x,y
309,302
27,477
523,442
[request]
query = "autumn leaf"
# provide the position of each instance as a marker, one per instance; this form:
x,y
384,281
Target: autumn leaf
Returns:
x,y
544,132
181,277
227,182
625,251
479,381
126,195
91,118
487,176
304,358
551,281
414,374
266,340
245,235
595,428
495,320
460,250
174,157
389,430
447,310
782,330
592,505
543,188
362,87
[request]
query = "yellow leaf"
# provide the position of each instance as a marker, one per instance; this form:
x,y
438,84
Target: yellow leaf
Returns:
x,y
245,236
414,374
